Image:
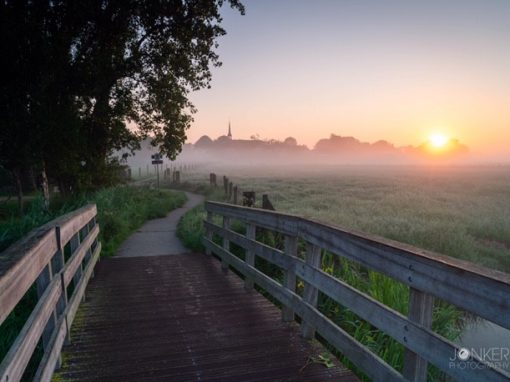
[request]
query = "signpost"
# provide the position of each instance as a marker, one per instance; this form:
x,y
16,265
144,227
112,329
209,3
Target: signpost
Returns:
x,y
157,160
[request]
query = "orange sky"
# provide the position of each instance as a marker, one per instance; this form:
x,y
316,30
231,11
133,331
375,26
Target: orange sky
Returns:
x,y
398,73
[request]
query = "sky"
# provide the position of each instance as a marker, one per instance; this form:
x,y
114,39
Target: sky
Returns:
x,y
393,70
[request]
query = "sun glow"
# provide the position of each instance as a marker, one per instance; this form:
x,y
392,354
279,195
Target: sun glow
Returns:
x,y
438,140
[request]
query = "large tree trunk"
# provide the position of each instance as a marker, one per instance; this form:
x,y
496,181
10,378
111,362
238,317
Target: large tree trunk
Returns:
x,y
45,187
19,189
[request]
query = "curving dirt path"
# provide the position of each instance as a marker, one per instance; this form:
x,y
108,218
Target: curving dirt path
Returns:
x,y
158,237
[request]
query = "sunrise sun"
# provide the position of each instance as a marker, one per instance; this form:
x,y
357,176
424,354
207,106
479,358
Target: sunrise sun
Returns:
x,y
438,140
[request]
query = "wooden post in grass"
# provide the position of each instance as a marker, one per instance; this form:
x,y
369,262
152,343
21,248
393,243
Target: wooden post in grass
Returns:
x,y
235,194
225,184
212,180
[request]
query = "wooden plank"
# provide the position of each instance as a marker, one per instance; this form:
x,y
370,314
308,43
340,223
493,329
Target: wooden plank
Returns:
x,y
421,306
21,264
50,358
73,222
251,231
289,275
236,335
42,283
16,360
264,251
74,263
311,293
360,355
444,277
271,220
414,336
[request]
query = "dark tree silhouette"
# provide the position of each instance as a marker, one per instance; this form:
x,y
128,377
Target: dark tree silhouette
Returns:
x,y
80,74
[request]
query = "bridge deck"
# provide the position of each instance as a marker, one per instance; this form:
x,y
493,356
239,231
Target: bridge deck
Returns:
x,y
181,318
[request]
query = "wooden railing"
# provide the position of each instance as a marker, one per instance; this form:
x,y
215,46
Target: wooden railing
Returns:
x,y
484,292
57,258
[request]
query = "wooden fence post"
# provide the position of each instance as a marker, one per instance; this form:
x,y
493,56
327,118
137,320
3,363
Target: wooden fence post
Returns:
x,y
226,242
225,184
251,230
212,179
235,194
209,233
230,190
311,294
289,280
421,305
58,263
42,283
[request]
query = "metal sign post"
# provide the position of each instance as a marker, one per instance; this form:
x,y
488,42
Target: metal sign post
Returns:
x,y
157,160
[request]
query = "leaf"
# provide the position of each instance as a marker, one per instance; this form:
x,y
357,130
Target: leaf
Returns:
x,y
324,359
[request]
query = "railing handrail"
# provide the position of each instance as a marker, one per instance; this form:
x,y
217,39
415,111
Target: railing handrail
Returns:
x,y
477,289
38,258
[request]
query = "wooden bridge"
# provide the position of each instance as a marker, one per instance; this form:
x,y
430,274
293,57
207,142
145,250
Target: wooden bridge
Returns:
x,y
188,318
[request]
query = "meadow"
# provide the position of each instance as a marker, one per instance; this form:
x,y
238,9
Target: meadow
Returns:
x,y
462,212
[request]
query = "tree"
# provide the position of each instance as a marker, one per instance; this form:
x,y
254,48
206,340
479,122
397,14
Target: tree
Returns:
x,y
90,77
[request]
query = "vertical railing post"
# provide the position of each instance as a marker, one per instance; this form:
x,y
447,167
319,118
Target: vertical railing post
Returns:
x,y
75,243
310,293
289,280
42,282
88,255
251,230
58,264
421,305
226,243
208,232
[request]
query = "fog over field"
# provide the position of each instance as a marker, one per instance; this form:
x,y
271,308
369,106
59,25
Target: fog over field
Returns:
x,y
461,211
336,149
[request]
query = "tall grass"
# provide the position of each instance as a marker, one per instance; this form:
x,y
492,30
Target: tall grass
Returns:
x,y
121,210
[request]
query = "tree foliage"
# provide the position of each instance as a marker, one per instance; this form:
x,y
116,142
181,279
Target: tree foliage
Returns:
x,y
86,78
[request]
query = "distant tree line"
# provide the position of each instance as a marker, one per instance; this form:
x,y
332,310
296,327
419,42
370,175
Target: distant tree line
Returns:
x,y
79,74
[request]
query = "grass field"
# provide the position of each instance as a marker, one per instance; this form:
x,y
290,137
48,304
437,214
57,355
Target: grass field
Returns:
x,y
460,212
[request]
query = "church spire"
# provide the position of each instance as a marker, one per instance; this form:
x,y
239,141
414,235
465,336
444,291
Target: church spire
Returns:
x,y
229,131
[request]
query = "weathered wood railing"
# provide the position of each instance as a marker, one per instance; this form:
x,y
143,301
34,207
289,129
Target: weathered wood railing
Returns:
x,y
57,257
484,292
